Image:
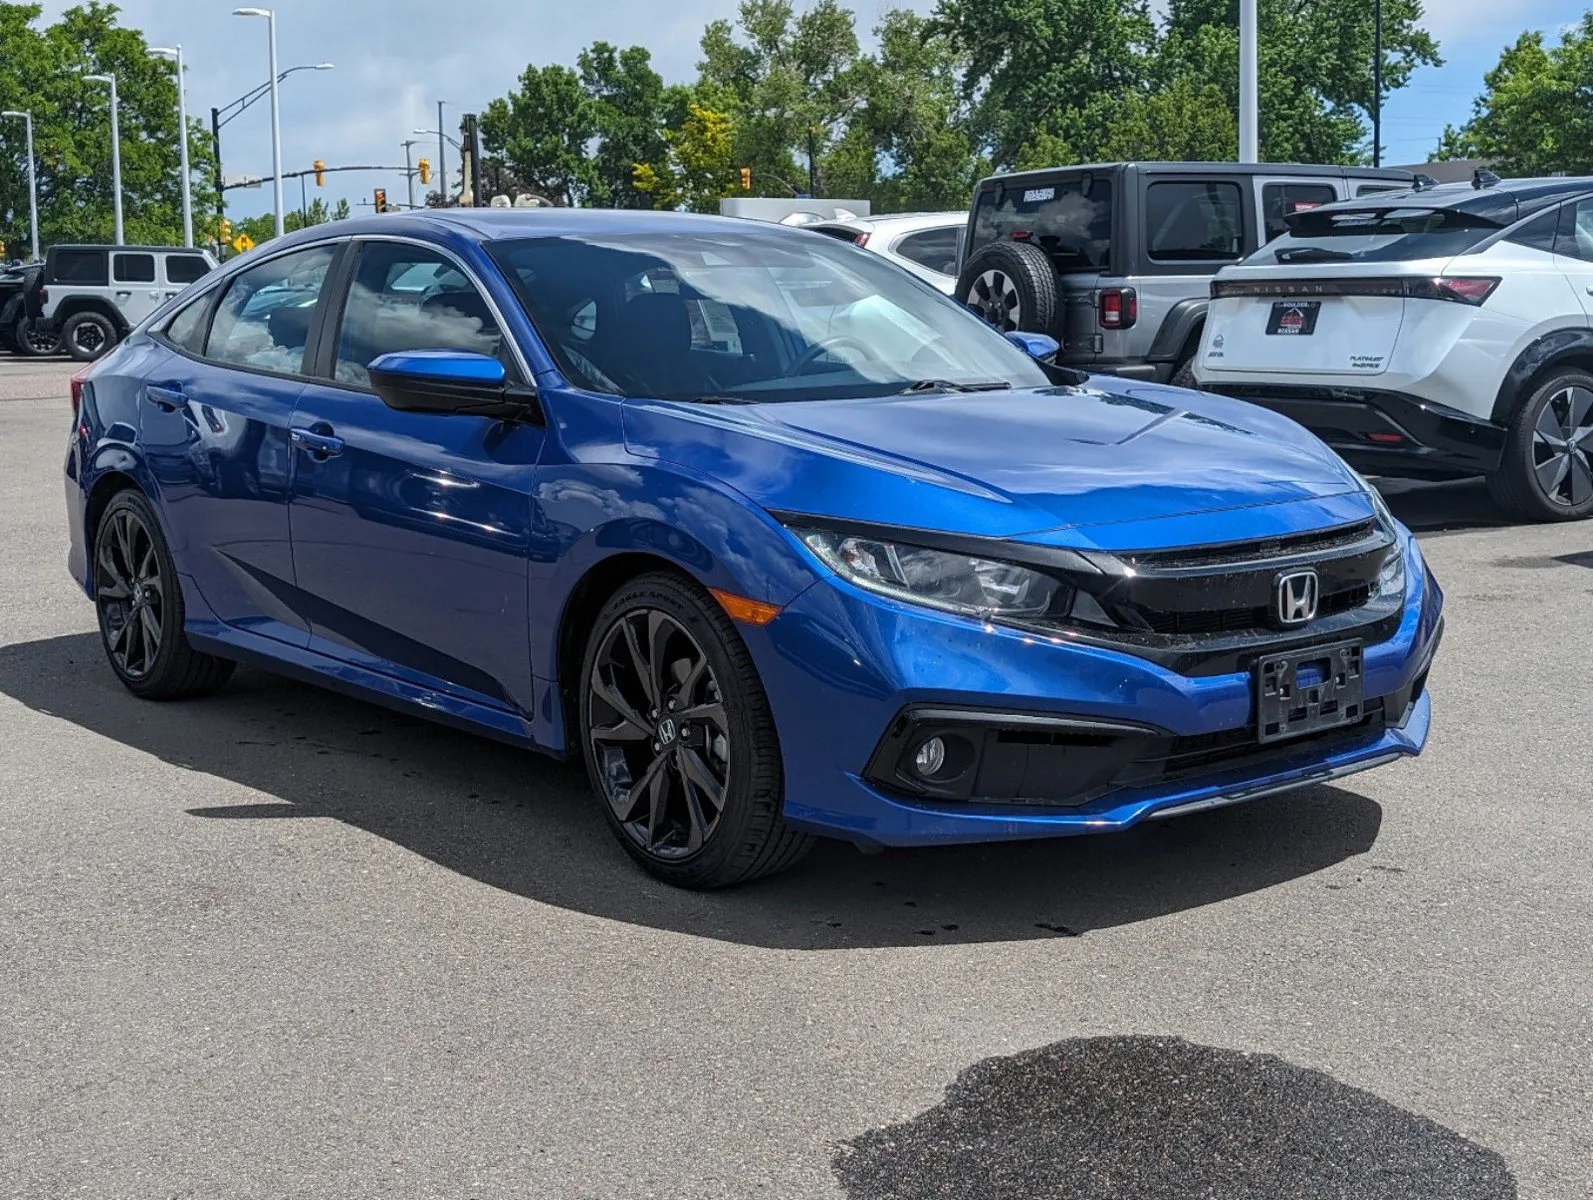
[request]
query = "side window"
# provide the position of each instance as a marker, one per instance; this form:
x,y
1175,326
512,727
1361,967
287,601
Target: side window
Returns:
x,y
409,298
186,330
86,267
1279,200
185,268
133,268
1193,221
1538,233
264,318
1575,236
933,248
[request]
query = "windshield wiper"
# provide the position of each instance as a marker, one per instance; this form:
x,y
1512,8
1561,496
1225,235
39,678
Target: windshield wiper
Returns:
x,y
1312,254
721,400
946,385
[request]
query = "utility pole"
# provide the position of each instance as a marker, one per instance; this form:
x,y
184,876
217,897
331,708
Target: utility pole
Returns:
x,y
1377,83
1248,118
409,172
215,143
442,159
813,175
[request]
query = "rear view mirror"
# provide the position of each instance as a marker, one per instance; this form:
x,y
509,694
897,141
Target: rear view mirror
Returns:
x,y
452,381
1039,346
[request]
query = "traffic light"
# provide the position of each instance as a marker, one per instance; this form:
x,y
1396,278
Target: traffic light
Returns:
x,y
320,173
381,199
424,166
224,230
746,178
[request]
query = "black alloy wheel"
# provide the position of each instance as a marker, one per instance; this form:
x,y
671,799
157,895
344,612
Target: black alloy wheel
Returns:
x,y
140,607
1546,473
34,341
679,740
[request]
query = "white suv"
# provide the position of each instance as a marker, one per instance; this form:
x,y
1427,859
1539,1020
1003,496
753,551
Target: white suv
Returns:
x,y
925,244
1437,332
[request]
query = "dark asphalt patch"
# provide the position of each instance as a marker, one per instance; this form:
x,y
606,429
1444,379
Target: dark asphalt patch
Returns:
x,y
1144,1118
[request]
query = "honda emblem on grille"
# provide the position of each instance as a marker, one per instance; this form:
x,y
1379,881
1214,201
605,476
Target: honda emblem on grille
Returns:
x,y
1297,597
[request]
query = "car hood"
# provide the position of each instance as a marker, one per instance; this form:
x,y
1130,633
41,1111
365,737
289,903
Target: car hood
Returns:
x,y
1066,465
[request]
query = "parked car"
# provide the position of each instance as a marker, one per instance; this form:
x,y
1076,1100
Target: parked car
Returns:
x,y
926,244
22,297
98,293
779,541
1115,259
1435,333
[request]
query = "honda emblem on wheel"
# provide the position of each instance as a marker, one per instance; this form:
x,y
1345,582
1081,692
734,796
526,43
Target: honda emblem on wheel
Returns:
x,y
1297,597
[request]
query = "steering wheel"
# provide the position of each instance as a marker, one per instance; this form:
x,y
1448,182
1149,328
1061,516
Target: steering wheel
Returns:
x,y
811,354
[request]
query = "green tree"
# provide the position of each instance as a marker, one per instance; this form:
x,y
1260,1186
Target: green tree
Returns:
x,y
626,103
697,168
40,71
540,133
1533,116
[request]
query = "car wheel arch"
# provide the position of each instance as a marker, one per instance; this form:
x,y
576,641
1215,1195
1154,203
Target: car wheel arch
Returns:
x,y
71,307
107,485
1553,351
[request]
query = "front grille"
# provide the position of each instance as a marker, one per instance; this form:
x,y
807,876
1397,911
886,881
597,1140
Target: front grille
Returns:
x,y
1257,550
1238,620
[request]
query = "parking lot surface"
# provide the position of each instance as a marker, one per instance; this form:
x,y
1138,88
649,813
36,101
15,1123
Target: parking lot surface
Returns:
x,y
281,943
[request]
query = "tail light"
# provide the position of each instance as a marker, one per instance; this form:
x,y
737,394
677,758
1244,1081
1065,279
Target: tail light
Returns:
x,y
1458,289
860,240
44,295
78,382
1118,308
1465,289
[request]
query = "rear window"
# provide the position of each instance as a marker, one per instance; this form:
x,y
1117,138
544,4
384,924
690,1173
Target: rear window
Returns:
x,y
185,268
932,248
1386,234
1071,221
79,266
1194,220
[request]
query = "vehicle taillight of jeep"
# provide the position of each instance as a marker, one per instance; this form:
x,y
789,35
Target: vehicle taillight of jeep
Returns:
x,y
1118,308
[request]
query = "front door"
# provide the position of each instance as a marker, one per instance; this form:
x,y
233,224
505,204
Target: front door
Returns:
x,y
410,530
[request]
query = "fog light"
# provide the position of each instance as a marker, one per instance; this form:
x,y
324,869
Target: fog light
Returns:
x,y
930,758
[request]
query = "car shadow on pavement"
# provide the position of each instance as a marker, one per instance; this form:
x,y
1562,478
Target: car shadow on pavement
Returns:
x,y
515,820
1439,508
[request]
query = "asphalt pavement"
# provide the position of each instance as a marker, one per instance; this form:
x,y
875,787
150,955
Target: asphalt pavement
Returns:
x,y
280,943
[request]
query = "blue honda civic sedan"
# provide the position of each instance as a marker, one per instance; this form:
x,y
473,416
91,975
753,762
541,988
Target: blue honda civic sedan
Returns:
x,y
778,539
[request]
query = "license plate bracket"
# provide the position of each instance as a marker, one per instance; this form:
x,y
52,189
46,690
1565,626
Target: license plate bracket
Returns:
x,y
1293,318
1308,690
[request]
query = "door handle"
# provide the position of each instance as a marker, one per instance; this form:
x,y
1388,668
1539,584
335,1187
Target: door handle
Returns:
x,y
319,446
124,295
167,399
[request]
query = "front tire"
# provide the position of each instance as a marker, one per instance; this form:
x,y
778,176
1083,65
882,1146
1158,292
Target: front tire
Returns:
x,y
88,335
679,740
1547,470
140,607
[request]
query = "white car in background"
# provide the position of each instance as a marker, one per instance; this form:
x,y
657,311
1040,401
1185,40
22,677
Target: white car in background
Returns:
x,y
1436,332
926,244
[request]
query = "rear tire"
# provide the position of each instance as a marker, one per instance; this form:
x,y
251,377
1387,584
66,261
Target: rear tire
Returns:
x,y
1546,473
140,605
1013,286
88,336
679,740
33,342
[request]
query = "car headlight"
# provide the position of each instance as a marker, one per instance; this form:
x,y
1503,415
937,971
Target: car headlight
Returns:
x,y
1391,576
957,583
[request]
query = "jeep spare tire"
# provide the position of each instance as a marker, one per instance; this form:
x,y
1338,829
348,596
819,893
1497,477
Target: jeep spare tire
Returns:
x,y
1013,286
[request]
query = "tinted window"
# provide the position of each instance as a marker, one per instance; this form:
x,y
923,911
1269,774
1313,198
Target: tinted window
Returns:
x,y
1192,220
264,317
1072,223
1538,233
133,268
187,328
1372,189
185,268
407,298
1576,231
755,316
1278,200
933,248
1395,231
79,266
839,232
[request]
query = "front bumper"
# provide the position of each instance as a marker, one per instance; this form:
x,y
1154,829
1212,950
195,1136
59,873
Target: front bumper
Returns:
x,y
841,667
1384,433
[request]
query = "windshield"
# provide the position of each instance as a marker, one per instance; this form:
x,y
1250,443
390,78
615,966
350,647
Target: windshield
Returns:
x,y
1385,234
756,316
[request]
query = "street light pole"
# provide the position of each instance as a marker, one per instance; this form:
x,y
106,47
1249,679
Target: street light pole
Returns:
x,y
33,183
1377,83
276,109
442,161
116,155
236,108
176,52
1249,121
409,172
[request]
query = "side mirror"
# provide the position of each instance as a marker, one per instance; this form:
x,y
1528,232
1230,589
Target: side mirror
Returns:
x,y
1040,346
452,381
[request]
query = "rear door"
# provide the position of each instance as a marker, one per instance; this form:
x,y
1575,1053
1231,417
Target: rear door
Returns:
x,y
1573,250
1281,197
1190,228
411,530
134,286
179,270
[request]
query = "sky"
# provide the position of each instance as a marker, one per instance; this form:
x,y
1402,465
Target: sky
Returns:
x,y
394,60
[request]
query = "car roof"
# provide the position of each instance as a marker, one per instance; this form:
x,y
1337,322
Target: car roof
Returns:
x,y
123,249
1322,170
917,220
1505,201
